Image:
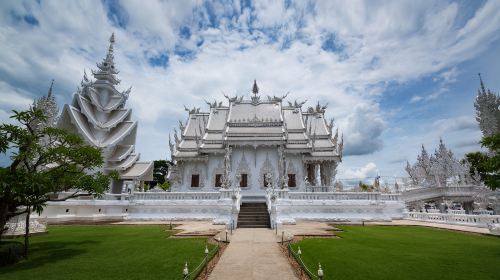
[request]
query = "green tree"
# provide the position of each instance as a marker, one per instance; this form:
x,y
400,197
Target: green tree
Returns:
x,y
160,171
45,161
487,165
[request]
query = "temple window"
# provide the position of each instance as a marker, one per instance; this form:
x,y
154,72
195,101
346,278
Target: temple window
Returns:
x,y
195,180
291,181
243,182
218,180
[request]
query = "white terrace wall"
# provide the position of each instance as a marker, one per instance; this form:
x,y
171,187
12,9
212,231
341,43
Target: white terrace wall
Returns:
x,y
219,207
333,207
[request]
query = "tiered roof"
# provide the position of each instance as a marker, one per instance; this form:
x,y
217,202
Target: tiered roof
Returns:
x,y
256,122
98,114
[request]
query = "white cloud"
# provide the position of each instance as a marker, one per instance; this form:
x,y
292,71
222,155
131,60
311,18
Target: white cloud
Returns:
x,y
455,124
279,46
363,128
369,170
13,98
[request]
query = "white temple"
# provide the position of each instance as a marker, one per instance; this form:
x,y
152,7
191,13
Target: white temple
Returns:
x,y
98,114
251,138
248,155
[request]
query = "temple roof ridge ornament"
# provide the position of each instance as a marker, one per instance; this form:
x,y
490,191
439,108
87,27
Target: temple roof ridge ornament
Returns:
x,y
255,90
215,104
278,98
195,110
296,104
319,109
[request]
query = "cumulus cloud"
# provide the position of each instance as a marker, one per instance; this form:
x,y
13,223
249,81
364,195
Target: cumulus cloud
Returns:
x,y
455,124
369,170
343,53
363,128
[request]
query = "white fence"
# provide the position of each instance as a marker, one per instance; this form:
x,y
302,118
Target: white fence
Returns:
x,y
457,219
372,196
433,192
175,196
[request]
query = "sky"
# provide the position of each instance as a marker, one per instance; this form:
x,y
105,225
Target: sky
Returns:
x,y
395,74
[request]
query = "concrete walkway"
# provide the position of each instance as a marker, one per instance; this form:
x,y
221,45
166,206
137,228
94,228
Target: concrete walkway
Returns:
x,y
253,254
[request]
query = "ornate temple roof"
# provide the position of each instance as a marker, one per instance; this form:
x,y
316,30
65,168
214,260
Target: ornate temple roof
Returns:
x,y
256,122
97,113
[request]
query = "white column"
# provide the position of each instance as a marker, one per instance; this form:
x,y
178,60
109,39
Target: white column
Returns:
x,y
318,174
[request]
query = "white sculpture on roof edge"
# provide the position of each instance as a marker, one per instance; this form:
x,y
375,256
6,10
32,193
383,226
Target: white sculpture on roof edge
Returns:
x,y
98,114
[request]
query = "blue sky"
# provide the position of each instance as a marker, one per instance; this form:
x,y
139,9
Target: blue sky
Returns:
x,y
396,74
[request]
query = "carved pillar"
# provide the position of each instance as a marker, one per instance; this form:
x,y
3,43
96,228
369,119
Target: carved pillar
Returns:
x,y
317,174
324,174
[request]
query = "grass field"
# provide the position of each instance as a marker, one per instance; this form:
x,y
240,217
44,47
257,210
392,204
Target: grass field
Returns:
x,y
107,252
389,252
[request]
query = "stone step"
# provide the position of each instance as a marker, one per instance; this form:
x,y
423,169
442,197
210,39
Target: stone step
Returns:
x,y
259,205
253,219
251,224
264,212
254,226
253,215
253,209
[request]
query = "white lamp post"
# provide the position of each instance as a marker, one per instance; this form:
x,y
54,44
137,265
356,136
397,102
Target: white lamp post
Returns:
x,y
185,271
206,258
320,272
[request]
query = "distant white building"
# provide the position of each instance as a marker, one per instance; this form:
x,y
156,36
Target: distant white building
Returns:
x,y
98,114
240,142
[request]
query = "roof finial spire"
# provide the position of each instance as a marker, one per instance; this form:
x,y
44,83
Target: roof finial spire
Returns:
x,y
255,88
49,94
111,43
483,89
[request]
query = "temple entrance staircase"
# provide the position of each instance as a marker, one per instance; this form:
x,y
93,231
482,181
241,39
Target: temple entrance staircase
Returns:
x,y
253,215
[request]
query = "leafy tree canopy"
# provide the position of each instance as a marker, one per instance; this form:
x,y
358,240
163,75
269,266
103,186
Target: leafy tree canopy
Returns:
x,y
45,161
160,171
488,164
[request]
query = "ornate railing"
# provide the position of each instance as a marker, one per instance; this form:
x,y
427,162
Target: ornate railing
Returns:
x,y
344,196
176,196
430,192
319,188
459,219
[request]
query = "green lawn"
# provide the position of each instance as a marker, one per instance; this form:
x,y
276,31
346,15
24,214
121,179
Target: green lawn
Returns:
x,y
390,252
107,252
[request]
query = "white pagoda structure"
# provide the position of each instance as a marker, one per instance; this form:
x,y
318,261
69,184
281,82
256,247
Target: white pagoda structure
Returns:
x,y
242,142
98,114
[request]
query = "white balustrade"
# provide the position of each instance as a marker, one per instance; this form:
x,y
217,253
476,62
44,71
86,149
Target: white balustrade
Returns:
x,y
432,192
459,219
177,195
343,196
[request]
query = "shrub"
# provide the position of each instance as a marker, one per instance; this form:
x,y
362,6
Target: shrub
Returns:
x,y
165,186
10,252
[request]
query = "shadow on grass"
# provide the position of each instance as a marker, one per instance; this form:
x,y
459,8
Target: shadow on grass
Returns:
x,y
49,252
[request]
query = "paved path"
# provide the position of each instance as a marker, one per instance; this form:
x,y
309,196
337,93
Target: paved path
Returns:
x,y
252,254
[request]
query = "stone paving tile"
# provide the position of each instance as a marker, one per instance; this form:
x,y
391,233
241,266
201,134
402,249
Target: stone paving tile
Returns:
x,y
252,254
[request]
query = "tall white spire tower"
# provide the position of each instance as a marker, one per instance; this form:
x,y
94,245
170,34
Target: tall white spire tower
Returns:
x,y
98,114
